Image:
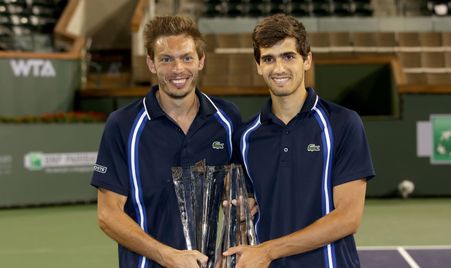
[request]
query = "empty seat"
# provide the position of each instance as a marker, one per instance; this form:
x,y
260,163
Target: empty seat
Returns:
x,y
343,8
365,42
322,8
319,39
302,9
255,9
340,39
408,39
417,78
234,8
276,9
430,39
438,78
363,8
386,42
433,59
211,11
410,59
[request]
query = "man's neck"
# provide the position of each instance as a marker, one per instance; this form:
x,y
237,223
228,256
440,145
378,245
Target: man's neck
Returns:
x,y
287,107
182,111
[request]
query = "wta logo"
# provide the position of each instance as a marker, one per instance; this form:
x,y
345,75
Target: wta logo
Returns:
x,y
34,67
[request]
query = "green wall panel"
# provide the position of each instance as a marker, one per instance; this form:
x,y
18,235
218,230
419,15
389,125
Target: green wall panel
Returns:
x,y
47,163
37,86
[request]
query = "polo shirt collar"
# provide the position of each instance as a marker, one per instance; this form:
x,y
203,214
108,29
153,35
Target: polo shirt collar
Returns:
x,y
309,104
154,109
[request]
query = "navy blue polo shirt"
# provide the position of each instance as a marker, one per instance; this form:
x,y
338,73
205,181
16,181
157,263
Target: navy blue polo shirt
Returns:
x,y
294,167
139,146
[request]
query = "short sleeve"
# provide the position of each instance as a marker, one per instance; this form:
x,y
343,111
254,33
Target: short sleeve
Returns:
x,y
352,158
111,168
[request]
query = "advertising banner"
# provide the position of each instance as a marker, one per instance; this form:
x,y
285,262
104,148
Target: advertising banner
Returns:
x,y
47,163
36,86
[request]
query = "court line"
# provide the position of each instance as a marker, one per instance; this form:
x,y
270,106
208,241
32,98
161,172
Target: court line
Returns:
x,y
46,250
27,251
424,247
408,258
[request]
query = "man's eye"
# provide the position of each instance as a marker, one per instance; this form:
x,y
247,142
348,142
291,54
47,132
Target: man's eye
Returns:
x,y
166,59
289,57
188,58
267,59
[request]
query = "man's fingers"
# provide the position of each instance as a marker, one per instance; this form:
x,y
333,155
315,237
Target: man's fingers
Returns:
x,y
225,203
202,260
254,211
232,250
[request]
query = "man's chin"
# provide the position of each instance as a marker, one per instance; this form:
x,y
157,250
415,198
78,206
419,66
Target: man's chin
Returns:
x,y
280,92
179,93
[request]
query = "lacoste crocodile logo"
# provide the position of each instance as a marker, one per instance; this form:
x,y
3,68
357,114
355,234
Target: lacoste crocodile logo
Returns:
x,y
313,148
217,145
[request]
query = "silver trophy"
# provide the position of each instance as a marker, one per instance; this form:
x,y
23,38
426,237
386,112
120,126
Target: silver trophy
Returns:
x,y
237,226
200,190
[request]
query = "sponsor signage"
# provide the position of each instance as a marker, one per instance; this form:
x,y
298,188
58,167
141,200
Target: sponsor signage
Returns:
x,y
441,139
60,162
32,67
6,164
434,138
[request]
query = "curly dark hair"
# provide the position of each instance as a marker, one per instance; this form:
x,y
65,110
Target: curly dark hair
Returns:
x,y
274,29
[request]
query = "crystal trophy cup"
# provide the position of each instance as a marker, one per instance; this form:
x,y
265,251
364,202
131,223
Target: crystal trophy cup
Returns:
x,y
200,190
237,224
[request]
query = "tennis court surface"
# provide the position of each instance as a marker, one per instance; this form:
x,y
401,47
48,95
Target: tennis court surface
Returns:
x,y
405,257
394,233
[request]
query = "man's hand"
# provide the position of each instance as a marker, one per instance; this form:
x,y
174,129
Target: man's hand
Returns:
x,y
250,256
252,205
186,259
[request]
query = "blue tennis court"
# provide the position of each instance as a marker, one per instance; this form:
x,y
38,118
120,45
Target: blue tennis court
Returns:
x,y
405,256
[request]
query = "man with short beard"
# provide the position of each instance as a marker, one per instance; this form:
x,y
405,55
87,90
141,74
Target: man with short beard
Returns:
x,y
173,125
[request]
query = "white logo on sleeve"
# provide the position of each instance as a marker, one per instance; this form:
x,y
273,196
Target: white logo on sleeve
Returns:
x,y
100,169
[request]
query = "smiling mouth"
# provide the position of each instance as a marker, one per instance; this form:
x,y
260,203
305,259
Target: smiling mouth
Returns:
x,y
179,82
280,80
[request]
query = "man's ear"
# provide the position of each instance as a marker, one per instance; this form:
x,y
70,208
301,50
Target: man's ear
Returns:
x,y
201,62
308,61
151,65
259,68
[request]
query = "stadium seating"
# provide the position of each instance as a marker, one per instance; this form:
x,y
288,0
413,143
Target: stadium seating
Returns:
x,y
301,8
28,25
439,8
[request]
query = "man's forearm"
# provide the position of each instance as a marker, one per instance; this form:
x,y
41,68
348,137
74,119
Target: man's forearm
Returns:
x,y
344,220
326,230
121,228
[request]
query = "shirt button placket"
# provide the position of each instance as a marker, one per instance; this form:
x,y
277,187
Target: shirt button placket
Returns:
x,y
285,141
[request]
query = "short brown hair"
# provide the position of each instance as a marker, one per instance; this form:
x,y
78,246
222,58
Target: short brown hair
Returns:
x,y
277,27
172,25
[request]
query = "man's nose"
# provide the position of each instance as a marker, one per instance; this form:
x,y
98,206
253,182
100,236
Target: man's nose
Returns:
x,y
177,65
279,66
